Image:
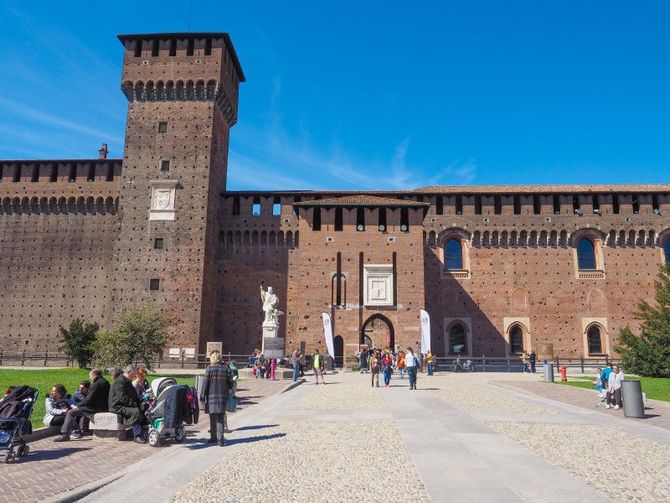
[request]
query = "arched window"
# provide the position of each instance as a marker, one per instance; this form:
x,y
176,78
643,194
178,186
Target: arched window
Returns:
x,y
586,255
453,254
516,339
666,249
457,342
594,340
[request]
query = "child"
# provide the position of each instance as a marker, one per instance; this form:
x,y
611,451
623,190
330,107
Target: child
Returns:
x,y
598,383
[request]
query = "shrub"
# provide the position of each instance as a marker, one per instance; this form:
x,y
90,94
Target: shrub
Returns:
x,y
77,341
648,354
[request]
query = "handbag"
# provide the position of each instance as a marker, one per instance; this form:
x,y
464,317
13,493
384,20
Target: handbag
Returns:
x,y
231,403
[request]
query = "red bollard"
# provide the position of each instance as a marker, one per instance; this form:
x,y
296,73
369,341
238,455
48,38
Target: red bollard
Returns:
x,y
564,373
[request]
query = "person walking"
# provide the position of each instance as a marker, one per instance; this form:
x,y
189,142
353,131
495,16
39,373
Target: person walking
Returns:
x,y
217,386
374,363
295,364
616,377
411,363
318,363
387,365
430,362
401,364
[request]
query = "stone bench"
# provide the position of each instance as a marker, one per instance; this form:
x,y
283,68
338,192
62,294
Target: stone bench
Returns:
x,y
108,425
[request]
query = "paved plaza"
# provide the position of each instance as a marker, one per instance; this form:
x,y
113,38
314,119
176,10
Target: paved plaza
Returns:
x,y
459,437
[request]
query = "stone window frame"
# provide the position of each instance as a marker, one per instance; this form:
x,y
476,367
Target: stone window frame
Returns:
x,y
601,323
524,324
464,237
467,325
598,238
381,271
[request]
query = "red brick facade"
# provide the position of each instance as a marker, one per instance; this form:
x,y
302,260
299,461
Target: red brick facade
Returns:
x,y
497,268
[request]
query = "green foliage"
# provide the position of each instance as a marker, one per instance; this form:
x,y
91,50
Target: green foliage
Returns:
x,y
648,354
140,336
77,341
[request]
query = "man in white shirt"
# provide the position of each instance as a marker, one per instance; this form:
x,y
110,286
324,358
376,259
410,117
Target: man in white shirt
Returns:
x,y
411,366
614,381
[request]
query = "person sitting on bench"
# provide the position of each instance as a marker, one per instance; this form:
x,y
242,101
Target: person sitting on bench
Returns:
x,y
95,400
123,400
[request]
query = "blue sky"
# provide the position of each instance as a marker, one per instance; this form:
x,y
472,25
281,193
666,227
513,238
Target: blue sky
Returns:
x,y
370,95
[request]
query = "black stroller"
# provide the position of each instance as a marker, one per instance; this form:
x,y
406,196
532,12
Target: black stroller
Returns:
x,y
15,410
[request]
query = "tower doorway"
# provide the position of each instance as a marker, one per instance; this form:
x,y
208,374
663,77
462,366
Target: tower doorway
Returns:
x,y
338,344
377,331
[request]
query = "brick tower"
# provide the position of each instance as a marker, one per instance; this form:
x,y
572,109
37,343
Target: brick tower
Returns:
x,y
182,91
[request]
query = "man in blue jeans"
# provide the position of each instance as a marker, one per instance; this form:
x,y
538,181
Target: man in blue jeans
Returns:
x,y
295,363
411,362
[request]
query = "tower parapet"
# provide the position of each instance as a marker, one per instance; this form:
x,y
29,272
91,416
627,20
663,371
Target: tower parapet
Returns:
x,y
182,67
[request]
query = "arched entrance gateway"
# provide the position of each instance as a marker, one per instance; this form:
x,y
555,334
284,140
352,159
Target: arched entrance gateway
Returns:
x,y
377,331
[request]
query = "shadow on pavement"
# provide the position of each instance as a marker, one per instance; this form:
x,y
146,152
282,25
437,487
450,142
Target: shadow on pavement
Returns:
x,y
53,454
248,440
256,427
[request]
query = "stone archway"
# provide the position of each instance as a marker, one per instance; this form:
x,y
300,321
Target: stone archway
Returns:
x,y
378,330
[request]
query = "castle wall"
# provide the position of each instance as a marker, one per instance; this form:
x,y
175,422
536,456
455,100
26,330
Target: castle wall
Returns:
x,y
56,240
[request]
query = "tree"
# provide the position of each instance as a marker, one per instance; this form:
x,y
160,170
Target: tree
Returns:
x,y
140,336
77,341
648,354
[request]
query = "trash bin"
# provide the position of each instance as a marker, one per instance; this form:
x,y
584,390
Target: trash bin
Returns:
x,y
199,383
548,372
631,394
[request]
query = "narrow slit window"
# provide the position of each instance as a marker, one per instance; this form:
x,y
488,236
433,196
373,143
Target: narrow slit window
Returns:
x,y
557,204
190,48
339,219
236,205
596,203
165,165
478,205
256,207
576,205
54,173
208,47
17,173
404,220
91,173
155,45
497,205
439,205
173,47
36,174
2,171
517,204
138,48
537,205
382,219
636,204
276,207
316,221
72,177
459,205
110,173
616,207
656,207
360,219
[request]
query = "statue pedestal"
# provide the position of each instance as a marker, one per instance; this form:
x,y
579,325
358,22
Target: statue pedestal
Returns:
x,y
273,346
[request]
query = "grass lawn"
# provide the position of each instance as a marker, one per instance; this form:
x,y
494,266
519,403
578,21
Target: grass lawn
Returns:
x,y
43,380
656,388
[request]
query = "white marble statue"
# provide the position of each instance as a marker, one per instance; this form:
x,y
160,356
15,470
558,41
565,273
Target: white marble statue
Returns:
x,y
270,302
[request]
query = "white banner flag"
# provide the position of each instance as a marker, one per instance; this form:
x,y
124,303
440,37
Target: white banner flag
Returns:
x,y
425,331
328,334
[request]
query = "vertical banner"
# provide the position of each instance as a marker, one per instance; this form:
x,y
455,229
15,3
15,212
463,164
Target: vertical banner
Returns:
x,y
328,334
425,331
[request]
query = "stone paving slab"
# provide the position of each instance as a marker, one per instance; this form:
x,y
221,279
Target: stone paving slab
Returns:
x,y
52,468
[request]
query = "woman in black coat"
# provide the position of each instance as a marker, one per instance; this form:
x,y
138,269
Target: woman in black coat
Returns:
x,y
215,391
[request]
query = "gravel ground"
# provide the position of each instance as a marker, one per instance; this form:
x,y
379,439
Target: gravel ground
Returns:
x,y
352,460
618,465
472,391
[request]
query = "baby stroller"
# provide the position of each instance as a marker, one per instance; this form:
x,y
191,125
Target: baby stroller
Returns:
x,y
15,410
173,406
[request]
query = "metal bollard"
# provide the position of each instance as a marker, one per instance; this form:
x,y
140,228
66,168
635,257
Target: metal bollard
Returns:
x,y
631,395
